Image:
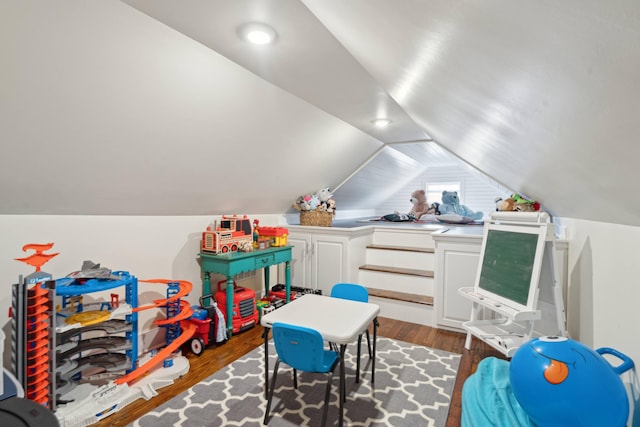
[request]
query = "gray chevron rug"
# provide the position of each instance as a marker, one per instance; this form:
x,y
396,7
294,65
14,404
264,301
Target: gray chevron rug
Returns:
x,y
413,387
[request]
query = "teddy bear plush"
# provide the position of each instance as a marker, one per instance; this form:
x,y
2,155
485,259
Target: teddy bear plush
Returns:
x,y
419,201
505,205
451,205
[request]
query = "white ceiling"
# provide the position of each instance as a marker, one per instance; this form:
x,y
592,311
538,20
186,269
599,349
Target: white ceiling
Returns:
x,y
541,96
307,59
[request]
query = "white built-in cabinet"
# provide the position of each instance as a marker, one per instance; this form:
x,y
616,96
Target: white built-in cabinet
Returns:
x,y
457,258
322,257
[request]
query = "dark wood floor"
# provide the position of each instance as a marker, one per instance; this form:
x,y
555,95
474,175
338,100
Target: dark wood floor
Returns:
x,y
216,357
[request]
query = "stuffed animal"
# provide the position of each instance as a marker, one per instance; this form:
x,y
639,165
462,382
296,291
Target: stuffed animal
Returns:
x,y
505,205
525,204
419,201
301,204
245,246
451,205
434,209
324,195
314,202
331,206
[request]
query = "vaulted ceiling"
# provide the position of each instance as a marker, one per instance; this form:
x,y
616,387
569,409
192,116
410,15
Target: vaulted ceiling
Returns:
x,y
160,108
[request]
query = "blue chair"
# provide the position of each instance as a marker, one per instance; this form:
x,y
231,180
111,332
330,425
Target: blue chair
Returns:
x,y
302,349
354,292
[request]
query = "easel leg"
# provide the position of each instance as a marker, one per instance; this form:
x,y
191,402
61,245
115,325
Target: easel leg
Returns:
x,y
467,341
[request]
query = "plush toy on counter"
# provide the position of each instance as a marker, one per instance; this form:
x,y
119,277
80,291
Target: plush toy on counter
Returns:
x,y
419,201
331,206
314,202
525,204
451,205
516,203
505,205
434,209
324,195
301,204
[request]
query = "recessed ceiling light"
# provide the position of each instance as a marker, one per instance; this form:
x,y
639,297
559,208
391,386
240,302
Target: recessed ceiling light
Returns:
x,y
380,123
258,33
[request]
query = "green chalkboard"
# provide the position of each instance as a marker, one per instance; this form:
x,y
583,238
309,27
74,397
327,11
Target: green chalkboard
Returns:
x,y
508,264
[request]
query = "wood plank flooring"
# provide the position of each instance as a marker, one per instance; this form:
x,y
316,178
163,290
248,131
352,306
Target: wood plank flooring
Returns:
x,y
216,357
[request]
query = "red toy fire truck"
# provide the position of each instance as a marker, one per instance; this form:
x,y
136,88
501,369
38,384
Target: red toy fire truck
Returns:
x,y
245,312
230,232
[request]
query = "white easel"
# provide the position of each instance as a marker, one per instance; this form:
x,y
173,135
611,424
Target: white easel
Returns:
x,y
506,311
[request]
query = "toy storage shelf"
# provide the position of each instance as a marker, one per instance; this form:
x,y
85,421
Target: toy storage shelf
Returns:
x,y
113,335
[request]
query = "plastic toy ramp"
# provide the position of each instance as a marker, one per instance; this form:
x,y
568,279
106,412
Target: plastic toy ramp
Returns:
x,y
185,313
188,330
185,289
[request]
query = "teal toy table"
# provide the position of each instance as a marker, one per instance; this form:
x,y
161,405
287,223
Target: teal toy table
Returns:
x,y
232,263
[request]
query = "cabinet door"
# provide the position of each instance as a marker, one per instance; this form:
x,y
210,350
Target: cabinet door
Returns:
x,y
457,268
328,261
300,260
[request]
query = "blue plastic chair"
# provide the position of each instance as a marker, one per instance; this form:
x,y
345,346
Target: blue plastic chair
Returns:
x,y
354,292
302,349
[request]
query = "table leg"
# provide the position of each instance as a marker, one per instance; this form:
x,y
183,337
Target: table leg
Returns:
x,y
266,279
343,394
230,295
206,285
266,361
287,280
373,360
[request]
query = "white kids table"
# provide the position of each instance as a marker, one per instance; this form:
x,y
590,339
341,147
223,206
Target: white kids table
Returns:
x,y
338,320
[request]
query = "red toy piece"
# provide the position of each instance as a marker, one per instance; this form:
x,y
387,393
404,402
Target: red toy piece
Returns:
x,y
39,258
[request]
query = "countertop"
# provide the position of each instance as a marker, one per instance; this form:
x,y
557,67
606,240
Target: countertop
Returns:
x,y
434,226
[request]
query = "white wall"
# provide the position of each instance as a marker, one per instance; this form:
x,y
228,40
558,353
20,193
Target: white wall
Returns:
x,y
604,289
147,247
478,191
126,116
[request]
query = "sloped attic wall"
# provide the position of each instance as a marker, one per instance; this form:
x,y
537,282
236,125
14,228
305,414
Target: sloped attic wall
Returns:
x,y
107,111
542,96
385,182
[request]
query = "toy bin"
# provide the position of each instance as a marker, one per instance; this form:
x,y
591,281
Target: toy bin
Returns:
x,y
317,218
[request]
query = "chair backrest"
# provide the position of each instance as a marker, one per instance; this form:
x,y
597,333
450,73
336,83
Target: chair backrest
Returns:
x,y
350,291
299,347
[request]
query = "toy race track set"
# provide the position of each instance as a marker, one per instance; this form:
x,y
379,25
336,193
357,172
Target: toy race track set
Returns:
x,y
78,357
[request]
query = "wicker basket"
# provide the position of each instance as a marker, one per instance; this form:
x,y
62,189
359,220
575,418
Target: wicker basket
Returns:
x,y
317,218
